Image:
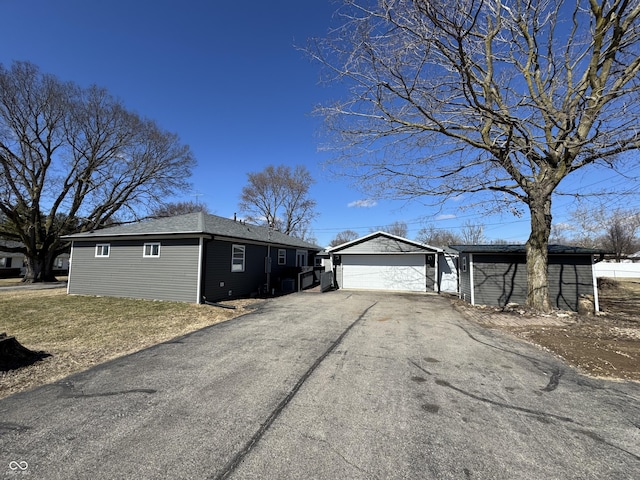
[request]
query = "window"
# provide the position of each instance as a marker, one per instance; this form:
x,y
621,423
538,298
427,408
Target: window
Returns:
x,y
59,262
237,258
464,264
102,250
151,250
282,257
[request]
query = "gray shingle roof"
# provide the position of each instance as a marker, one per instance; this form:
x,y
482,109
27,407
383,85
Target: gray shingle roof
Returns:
x,y
197,224
520,249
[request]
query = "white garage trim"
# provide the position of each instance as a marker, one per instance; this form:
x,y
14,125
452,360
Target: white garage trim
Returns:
x,y
405,272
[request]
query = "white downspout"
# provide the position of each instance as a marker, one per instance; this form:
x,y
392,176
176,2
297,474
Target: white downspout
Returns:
x,y
200,266
470,266
70,263
596,302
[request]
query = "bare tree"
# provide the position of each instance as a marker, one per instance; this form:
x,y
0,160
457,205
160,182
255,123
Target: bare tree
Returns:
x,y
501,99
472,234
178,208
279,198
343,237
397,228
73,159
614,230
437,237
620,236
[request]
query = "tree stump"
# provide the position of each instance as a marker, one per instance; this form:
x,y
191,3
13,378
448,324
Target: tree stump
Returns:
x,y
586,305
13,355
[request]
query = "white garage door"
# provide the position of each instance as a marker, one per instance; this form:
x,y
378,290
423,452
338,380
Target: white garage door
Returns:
x,y
384,272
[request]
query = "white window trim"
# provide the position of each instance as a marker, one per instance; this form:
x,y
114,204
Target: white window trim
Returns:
x,y
237,268
99,253
151,245
282,256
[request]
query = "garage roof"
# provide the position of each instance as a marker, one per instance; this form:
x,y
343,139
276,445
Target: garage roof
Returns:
x,y
383,242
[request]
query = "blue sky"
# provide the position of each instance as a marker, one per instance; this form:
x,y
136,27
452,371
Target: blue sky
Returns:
x,y
225,77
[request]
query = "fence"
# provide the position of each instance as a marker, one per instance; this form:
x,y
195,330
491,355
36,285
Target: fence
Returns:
x,y
309,277
326,281
617,270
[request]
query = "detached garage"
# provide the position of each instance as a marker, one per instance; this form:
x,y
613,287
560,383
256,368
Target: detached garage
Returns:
x,y
381,261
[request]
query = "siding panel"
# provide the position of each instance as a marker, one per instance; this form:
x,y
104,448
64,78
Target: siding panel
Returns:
x,y
221,283
502,279
499,279
381,245
569,277
125,273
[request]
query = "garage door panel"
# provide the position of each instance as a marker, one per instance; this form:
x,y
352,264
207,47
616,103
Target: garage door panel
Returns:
x,y
385,272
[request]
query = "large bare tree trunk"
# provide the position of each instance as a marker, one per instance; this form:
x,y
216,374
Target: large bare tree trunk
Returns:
x,y
39,269
537,254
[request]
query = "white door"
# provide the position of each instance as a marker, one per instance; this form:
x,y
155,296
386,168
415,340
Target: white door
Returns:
x,y
385,272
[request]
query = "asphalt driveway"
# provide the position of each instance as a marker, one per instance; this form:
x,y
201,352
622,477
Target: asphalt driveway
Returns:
x,y
336,385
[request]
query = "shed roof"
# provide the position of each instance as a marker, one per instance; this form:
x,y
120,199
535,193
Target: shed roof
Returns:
x,y
198,223
521,249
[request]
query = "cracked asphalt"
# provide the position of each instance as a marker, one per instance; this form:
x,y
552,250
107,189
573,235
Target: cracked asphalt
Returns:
x,y
354,385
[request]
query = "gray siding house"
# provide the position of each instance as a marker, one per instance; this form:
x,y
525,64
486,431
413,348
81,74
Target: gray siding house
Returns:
x,y
186,258
497,275
381,261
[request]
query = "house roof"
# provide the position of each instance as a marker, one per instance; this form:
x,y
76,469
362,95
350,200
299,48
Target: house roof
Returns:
x,y
379,233
521,249
199,224
4,244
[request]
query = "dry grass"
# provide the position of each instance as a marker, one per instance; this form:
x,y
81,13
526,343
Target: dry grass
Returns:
x,y
605,345
83,331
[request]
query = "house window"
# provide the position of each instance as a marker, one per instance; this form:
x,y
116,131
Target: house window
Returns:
x,y
151,250
59,262
102,250
464,264
3,262
282,257
237,258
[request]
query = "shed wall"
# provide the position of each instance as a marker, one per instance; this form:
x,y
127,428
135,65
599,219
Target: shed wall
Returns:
x,y
502,279
125,273
570,277
499,279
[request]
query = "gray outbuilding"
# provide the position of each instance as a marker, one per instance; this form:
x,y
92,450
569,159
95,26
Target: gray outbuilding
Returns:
x,y
497,275
186,258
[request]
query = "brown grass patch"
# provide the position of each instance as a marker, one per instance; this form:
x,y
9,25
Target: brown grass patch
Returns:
x,y
84,331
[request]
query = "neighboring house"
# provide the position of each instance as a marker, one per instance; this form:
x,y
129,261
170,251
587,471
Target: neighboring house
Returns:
x,y
12,264
381,261
61,264
497,275
186,258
